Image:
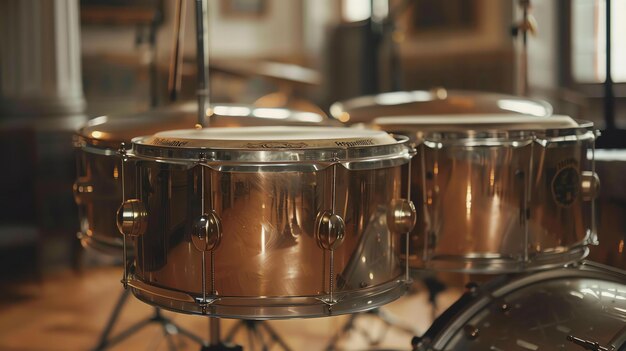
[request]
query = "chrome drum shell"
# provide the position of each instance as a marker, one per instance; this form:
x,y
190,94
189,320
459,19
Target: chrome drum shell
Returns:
x,y
495,201
269,261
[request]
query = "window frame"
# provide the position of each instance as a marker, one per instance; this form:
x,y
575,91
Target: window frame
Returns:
x,y
566,76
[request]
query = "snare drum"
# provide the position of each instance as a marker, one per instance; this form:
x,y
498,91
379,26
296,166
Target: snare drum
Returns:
x,y
267,222
97,189
437,101
574,308
499,194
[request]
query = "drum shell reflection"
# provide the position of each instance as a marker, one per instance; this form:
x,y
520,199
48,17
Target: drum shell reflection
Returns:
x,y
268,256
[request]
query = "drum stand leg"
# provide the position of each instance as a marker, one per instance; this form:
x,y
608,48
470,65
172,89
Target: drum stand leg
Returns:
x,y
434,286
169,327
386,318
255,330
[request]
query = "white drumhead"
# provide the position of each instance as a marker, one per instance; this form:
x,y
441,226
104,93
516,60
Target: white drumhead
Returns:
x,y
478,122
270,137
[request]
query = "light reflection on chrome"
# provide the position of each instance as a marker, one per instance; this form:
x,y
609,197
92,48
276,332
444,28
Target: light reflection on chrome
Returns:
x,y
521,106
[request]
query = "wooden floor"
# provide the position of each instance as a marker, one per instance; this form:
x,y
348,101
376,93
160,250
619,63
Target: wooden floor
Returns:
x,y
68,311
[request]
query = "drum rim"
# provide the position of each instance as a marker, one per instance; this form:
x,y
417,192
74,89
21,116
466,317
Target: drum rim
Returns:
x,y
584,131
361,102
279,159
442,331
276,307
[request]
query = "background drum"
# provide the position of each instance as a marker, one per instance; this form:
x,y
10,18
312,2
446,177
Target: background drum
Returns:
x,y
561,309
499,194
97,189
438,101
267,222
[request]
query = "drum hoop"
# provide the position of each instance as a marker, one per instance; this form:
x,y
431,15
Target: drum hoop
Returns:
x,y
584,131
97,147
280,160
469,306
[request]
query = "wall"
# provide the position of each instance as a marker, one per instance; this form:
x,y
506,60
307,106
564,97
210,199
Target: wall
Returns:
x,y
277,34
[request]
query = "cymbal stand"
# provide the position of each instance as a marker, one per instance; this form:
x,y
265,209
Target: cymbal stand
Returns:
x,y
202,58
525,26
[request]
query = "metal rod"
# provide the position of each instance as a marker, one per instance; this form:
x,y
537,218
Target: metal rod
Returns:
x,y
204,301
214,331
525,4
202,54
331,255
609,96
333,189
332,273
122,153
175,76
154,71
213,291
407,242
426,232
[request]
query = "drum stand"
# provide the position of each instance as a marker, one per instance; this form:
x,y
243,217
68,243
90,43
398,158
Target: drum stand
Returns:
x,y
386,318
254,330
169,327
434,287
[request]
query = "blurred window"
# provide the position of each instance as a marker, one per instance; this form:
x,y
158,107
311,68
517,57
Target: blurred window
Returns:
x,y
359,10
588,40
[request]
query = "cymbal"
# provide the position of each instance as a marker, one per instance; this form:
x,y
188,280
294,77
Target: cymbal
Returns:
x,y
284,72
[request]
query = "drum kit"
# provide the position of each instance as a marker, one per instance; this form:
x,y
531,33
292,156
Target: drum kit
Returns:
x,y
269,213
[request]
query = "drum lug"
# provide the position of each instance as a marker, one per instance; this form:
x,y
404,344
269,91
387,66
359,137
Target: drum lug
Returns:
x,y
330,230
471,332
401,216
590,185
204,304
132,218
207,232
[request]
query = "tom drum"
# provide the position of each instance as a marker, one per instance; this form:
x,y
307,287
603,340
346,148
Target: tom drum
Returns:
x,y
267,222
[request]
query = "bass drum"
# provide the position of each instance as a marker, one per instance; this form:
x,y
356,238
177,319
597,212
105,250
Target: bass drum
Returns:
x,y
571,308
97,189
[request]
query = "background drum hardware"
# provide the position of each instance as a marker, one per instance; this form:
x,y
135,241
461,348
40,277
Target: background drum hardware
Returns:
x,y
578,307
